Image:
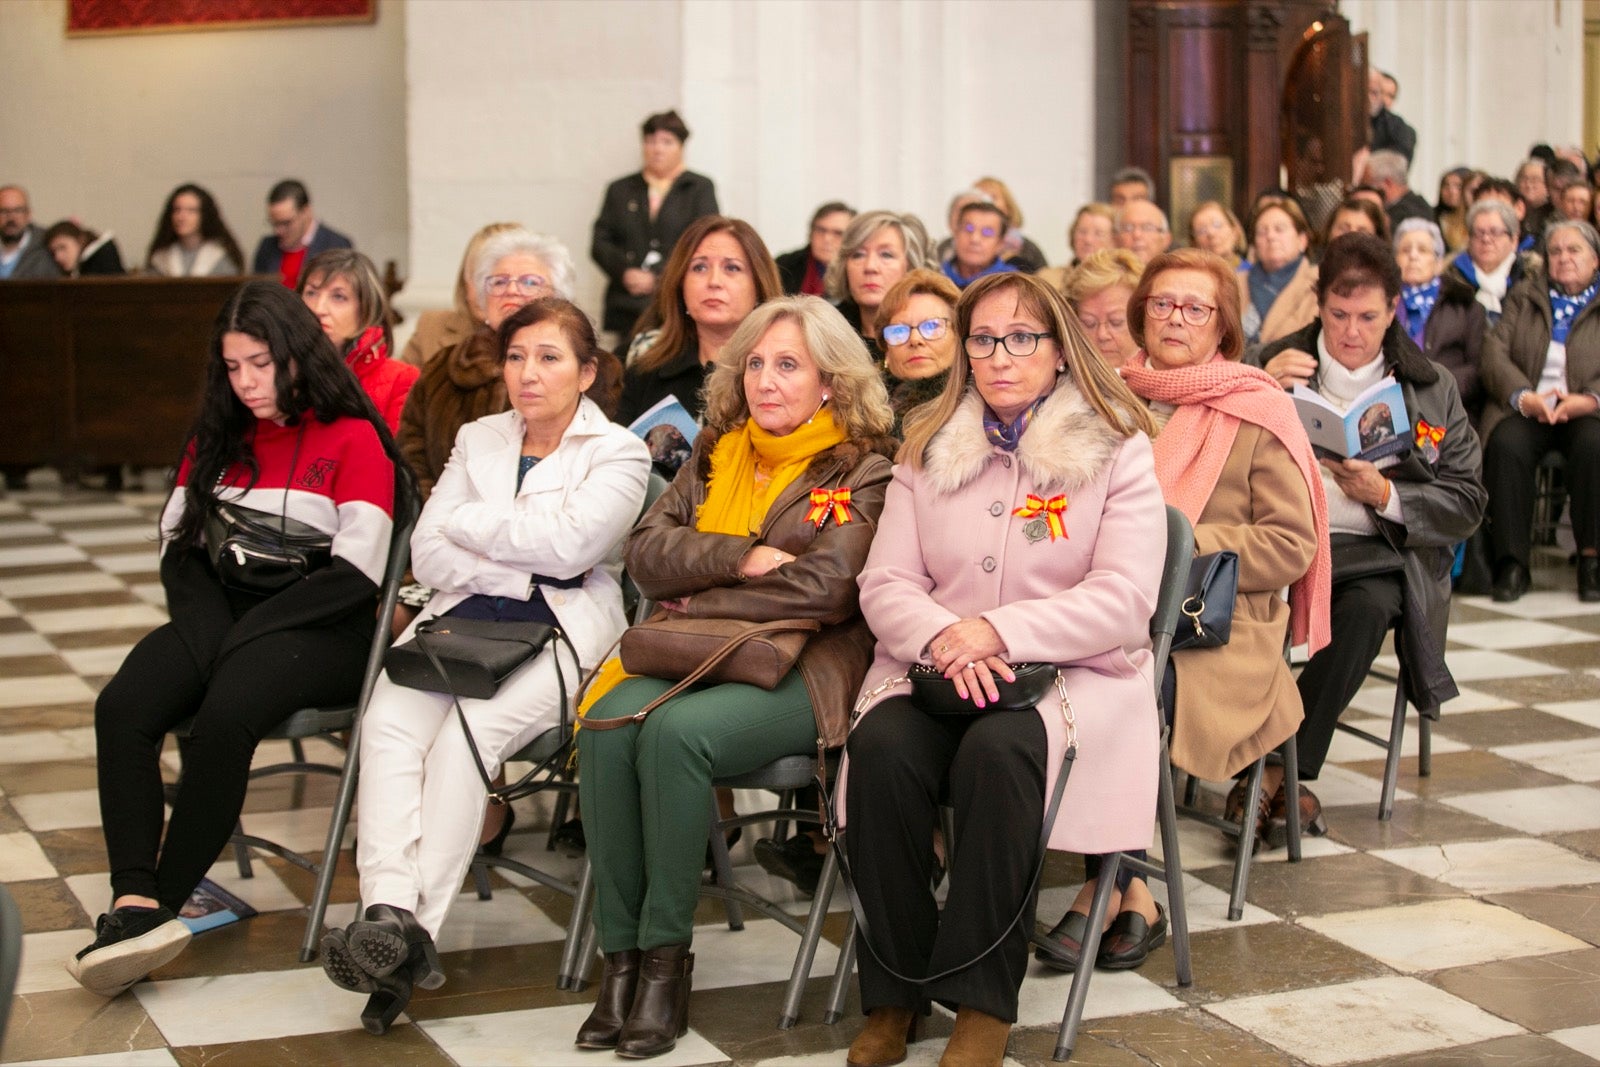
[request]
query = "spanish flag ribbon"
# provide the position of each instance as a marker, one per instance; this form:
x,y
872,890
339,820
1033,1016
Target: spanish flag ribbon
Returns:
x,y
1051,509
1428,435
824,501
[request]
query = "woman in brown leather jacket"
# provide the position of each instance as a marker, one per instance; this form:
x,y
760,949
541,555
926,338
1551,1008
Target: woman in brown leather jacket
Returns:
x,y
793,407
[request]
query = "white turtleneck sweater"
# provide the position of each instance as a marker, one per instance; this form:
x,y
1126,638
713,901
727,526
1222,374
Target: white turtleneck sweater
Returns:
x,y
1342,386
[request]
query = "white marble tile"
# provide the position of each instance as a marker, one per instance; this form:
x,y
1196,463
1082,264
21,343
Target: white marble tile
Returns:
x,y
59,584
13,531
68,513
1578,758
145,562
1496,866
207,1011
9,506
302,829
507,918
59,811
1555,603
21,858
1476,665
1473,700
1584,1039
44,689
1044,995
151,593
1347,748
1586,712
8,610
93,892
91,536
263,890
24,644
1337,786
1442,933
1543,810
921,1054
36,746
40,554
44,959
1517,633
543,1036
82,620
762,952
147,1057
1206,906
1341,1024
96,661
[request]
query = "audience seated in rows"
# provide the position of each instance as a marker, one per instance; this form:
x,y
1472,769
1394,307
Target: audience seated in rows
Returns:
x,y
342,288
440,330
879,248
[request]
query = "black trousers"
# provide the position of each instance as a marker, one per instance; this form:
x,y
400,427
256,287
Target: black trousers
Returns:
x,y
992,769
249,693
1509,465
1363,611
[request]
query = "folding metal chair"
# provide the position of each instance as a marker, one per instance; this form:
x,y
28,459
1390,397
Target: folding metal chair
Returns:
x,y
1397,729
10,955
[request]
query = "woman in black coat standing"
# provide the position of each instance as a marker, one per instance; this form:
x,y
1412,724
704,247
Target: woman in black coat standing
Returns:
x,y
642,217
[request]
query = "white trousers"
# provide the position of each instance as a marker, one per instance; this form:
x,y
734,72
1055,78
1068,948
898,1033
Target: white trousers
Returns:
x,y
420,801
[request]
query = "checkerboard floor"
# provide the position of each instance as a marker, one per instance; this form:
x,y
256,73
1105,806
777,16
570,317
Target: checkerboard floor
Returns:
x,y
1465,931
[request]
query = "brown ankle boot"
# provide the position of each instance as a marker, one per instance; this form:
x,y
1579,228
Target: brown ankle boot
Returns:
x,y
660,1012
603,1027
979,1040
882,1042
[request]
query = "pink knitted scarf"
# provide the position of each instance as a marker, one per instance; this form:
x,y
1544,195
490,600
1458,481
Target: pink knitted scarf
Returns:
x,y
1212,399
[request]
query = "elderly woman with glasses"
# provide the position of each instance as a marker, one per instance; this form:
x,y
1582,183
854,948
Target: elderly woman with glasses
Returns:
x,y
1541,367
1492,265
1024,523
1098,290
1439,311
918,342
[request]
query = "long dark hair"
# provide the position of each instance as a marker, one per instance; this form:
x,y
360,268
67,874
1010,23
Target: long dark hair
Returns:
x,y
312,380
212,228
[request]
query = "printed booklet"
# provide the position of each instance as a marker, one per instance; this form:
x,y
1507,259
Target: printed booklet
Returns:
x,y
1375,428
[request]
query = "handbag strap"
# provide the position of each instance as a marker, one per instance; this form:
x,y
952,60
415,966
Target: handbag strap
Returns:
x,y
528,783
729,647
831,831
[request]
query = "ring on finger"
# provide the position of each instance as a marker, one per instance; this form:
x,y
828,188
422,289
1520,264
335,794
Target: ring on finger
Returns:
x,y
970,666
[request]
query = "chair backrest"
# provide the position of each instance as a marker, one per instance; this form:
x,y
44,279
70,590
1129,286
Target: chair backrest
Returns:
x,y
1174,580
407,508
636,607
10,955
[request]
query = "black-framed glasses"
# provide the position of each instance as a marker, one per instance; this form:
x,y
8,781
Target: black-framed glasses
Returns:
x,y
1018,344
898,333
1196,314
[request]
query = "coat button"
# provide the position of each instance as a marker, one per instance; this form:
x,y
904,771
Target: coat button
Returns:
x,y
988,563
558,599
997,509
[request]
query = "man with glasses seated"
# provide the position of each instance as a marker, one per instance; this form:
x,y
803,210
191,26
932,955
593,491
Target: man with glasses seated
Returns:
x,y
1142,229
980,231
297,235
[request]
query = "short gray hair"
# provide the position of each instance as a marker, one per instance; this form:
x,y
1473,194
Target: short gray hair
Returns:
x,y
919,250
1166,223
520,241
1387,165
1427,226
1129,175
1500,210
1585,230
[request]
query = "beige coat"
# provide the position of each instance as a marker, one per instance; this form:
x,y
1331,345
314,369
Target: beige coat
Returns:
x,y
1295,307
1239,701
436,332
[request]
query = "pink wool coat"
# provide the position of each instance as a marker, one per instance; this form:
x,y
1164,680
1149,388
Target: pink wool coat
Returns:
x,y
949,547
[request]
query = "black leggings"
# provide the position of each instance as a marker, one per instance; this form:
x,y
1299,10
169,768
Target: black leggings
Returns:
x,y
158,686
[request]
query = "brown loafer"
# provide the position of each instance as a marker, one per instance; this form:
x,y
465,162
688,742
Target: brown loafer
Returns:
x,y
1275,827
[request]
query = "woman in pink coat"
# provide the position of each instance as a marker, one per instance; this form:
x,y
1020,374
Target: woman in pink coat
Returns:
x,y
1024,524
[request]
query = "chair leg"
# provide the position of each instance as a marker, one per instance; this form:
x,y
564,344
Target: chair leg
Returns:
x,y
841,973
241,854
343,801
723,866
808,943
1176,908
577,928
557,817
1247,841
1424,746
1191,790
1391,763
1291,788
480,880
1067,1036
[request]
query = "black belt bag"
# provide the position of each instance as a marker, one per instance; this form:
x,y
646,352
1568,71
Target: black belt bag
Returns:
x,y
258,552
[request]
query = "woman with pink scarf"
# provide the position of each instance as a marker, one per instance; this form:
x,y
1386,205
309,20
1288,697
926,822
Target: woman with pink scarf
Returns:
x,y
1233,457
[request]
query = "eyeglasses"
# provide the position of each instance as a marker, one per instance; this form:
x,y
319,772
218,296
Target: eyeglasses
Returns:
x,y
1490,235
898,333
19,212
1019,344
972,227
1159,307
1141,227
826,231
498,284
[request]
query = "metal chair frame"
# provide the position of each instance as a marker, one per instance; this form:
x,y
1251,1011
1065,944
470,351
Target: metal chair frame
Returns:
x,y
1397,729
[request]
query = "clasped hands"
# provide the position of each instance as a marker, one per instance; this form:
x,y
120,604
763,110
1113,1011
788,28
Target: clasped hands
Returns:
x,y
1554,407
970,653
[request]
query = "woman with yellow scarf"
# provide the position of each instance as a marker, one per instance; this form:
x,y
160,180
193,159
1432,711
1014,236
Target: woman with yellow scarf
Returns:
x,y
795,412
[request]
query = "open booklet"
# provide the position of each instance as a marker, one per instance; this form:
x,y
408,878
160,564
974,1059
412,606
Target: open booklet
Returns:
x,y
669,430
1375,428
211,906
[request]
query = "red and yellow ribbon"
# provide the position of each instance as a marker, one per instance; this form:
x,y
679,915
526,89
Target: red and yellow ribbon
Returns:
x,y
1427,435
824,501
1051,509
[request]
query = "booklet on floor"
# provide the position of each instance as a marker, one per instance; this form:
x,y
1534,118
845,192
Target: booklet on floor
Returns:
x,y
211,906
1376,428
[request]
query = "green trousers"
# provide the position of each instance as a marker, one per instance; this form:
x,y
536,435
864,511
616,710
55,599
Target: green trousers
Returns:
x,y
645,792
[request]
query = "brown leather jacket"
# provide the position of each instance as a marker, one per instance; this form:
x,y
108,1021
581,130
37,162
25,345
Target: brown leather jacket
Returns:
x,y
668,558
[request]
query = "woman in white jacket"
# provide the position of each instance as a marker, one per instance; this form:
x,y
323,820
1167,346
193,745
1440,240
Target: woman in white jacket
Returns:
x,y
525,523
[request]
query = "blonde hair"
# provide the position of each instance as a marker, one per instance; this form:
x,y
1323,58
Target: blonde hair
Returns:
x,y
463,293
1100,271
914,235
925,282
1001,195
1101,387
857,396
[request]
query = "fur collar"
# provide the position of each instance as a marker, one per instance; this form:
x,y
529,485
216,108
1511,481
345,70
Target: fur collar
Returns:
x,y
1066,446
475,362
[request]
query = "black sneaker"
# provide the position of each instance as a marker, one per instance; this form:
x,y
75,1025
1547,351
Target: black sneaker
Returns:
x,y
129,943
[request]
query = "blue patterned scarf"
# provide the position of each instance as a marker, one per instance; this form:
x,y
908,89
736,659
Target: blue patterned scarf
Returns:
x,y
1008,435
1564,308
1416,302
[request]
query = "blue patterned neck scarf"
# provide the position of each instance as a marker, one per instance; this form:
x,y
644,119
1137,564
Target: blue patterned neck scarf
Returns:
x,y
1564,308
1417,303
1008,435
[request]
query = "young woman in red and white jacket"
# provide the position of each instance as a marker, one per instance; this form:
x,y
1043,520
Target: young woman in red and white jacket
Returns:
x,y
343,290
283,429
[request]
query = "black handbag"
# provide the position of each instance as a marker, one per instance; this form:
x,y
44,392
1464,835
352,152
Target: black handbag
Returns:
x,y
471,658
934,694
1206,617
257,552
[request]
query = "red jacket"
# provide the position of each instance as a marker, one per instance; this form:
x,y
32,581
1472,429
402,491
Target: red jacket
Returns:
x,y
387,381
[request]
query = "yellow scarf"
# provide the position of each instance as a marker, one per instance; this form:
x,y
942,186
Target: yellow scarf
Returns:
x,y
734,503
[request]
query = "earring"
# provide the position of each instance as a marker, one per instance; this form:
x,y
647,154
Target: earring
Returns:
x,y
825,398
1061,368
